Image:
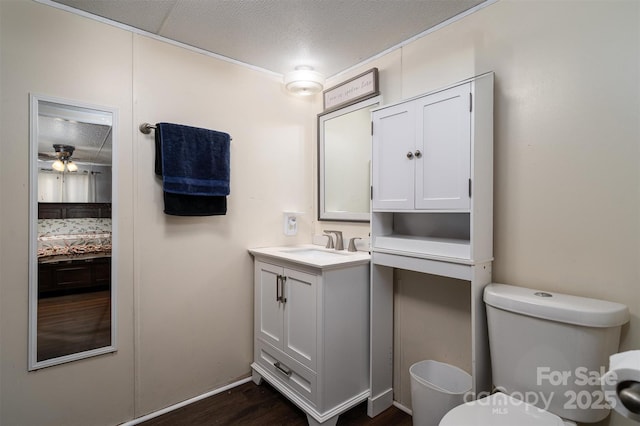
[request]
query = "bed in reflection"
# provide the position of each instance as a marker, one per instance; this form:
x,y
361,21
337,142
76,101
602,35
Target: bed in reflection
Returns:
x,y
74,255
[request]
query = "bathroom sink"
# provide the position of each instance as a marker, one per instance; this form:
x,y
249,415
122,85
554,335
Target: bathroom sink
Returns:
x,y
316,253
313,255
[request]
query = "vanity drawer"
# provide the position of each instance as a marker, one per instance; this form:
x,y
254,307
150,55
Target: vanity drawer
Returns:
x,y
286,370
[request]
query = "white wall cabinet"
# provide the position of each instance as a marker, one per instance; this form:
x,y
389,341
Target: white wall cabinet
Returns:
x,y
312,334
432,199
432,174
421,153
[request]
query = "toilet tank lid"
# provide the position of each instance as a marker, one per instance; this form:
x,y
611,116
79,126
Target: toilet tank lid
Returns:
x,y
565,308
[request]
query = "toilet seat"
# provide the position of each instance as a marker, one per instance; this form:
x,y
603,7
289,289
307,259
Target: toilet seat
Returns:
x,y
499,409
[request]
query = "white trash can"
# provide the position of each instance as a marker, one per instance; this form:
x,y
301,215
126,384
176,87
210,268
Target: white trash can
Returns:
x,y
436,388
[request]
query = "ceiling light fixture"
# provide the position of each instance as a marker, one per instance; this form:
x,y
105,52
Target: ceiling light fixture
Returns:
x,y
304,81
64,153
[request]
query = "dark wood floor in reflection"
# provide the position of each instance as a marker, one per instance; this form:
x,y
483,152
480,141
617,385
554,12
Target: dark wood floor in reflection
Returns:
x,y
262,405
73,323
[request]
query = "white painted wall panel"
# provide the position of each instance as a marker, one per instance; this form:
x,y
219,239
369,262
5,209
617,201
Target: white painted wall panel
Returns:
x,y
55,53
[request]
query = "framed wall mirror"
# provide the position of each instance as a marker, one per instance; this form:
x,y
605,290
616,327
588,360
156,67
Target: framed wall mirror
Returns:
x,y
72,233
344,162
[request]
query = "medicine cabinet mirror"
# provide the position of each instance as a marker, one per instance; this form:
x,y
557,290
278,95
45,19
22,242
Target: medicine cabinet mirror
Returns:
x,y
71,285
344,163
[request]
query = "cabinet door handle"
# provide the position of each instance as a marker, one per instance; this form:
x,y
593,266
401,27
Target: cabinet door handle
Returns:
x,y
283,281
418,154
282,369
278,296
409,155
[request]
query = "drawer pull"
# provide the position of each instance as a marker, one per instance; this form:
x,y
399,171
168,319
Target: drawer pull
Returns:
x,y
282,369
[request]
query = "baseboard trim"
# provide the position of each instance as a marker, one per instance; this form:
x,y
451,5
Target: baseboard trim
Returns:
x,y
379,403
402,408
186,402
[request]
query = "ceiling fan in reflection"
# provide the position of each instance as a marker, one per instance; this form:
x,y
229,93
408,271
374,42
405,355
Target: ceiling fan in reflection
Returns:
x,y
63,158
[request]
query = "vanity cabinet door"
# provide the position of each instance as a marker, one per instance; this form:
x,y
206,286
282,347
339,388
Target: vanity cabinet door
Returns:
x,y
300,317
443,165
269,311
286,311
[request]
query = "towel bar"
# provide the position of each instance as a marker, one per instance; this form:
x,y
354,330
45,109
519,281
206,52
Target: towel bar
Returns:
x,y
146,129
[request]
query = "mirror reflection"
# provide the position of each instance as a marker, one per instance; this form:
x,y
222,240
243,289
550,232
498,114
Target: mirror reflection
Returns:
x,y
71,288
344,162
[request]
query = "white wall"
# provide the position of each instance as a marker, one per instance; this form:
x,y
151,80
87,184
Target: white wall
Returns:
x,y
53,53
194,276
185,308
567,155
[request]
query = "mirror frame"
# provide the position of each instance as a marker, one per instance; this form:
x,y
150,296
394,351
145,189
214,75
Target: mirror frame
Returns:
x,y
322,213
33,363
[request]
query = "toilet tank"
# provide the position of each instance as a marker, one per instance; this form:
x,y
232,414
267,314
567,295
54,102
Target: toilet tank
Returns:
x,y
550,349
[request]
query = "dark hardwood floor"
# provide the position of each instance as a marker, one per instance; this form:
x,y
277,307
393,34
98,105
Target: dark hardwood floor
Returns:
x,y
73,323
262,405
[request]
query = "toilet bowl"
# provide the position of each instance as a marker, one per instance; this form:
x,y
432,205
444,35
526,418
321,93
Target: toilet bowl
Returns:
x,y
500,409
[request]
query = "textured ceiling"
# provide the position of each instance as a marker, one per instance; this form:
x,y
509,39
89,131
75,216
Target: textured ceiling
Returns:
x,y
278,35
92,142
87,130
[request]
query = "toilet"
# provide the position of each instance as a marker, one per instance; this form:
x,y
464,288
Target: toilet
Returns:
x,y
548,352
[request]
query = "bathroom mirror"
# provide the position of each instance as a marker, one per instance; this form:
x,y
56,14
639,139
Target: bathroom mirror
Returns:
x,y
71,285
344,163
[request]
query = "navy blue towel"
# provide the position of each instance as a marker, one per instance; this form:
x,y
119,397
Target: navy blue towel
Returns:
x,y
194,161
194,205
194,165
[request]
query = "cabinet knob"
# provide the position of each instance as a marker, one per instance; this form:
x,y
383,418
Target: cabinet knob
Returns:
x,y
409,155
418,154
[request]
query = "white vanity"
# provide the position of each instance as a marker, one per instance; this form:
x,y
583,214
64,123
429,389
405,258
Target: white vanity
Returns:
x,y
311,327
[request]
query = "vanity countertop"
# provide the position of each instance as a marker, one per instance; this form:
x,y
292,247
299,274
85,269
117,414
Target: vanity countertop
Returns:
x,y
313,255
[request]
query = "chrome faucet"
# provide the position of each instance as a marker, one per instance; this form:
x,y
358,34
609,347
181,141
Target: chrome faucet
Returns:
x,y
339,243
352,244
329,241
